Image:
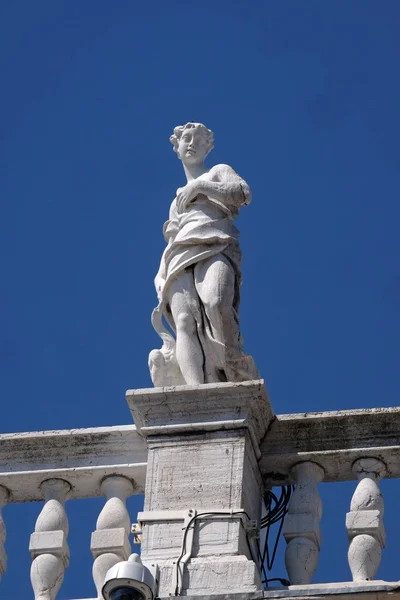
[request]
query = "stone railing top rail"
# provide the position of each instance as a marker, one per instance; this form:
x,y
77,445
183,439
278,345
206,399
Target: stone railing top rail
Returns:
x,y
83,457
334,440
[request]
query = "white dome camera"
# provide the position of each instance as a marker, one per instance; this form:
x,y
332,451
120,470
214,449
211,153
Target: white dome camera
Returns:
x,y
130,580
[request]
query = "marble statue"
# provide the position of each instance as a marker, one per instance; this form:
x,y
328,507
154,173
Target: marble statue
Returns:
x,y
198,282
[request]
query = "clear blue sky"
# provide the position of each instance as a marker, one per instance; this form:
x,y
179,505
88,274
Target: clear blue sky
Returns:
x,y
303,97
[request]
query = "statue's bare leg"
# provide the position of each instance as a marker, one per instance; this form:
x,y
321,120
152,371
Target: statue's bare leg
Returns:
x,y
189,353
215,284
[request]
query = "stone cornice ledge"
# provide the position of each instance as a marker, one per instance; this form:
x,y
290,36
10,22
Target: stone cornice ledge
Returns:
x,y
366,590
341,590
209,407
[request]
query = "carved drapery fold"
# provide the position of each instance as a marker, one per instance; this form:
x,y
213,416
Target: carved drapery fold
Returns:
x,y
48,544
364,522
110,542
301,528
4,495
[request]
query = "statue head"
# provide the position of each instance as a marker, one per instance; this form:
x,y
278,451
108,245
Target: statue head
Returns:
x,y
192,142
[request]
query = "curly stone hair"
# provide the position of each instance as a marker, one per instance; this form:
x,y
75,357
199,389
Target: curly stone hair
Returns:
x,y
178,132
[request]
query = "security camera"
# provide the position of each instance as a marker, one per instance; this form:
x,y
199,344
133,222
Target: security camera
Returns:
x,y
130,580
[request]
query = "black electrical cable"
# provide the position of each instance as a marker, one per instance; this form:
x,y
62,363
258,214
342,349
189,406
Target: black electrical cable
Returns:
x,y
213,513
266,555
280,579
261,563
280,508
275,513
276,509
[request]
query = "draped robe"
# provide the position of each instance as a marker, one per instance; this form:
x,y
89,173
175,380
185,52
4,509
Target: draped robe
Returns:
x,y
203,230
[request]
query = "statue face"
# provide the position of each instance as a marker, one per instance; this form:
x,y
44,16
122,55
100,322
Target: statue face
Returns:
x,y
192,146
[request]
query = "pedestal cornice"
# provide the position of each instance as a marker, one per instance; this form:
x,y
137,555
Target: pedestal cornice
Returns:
x,y
208,407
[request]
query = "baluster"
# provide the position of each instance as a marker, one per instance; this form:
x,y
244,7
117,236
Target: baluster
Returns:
x,y
364,522
4,495
110,542
48,544
301,526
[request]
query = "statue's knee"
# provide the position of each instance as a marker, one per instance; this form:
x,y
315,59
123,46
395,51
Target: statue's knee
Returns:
x,y
185,323
214,305
217,308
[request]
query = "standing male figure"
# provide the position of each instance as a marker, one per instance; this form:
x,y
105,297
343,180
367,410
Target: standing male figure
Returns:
x,y
198,282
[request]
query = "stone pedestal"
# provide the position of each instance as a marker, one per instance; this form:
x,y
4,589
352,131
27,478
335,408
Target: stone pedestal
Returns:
x,y
203,451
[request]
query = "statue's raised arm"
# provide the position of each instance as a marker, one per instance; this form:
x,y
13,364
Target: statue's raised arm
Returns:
x,y
198,283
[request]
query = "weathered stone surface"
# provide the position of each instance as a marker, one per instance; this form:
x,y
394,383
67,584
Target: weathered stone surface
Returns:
x,y
48,544
213,573
367,590
203,449
364,522
208,407
368,522
203,444
110,542
83,457
220,472
4,495
301,526
333,440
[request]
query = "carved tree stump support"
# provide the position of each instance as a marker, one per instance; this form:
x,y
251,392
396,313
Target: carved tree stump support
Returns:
x,y
364,522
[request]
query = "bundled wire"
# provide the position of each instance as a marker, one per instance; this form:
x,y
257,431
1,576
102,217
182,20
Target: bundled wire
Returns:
x,y
276,510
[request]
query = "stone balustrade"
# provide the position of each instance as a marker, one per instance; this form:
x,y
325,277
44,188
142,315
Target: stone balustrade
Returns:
x,y
302,449
301,527
110,542
58,465
82,457
48,544
364,522
333,446
4,495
